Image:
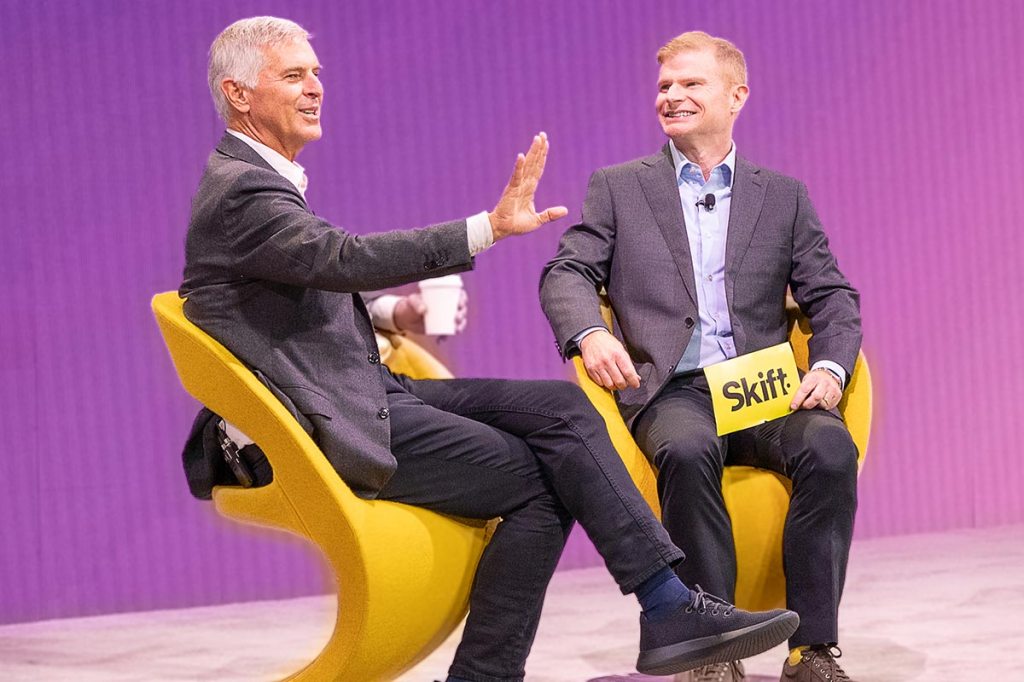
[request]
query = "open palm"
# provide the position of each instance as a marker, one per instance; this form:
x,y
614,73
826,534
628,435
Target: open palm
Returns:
x,y
516,212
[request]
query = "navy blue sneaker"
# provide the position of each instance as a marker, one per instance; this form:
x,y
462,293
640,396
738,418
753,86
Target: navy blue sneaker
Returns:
x,y
709,630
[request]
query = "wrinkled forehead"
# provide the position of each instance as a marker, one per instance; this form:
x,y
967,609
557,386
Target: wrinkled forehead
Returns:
x,y
288,54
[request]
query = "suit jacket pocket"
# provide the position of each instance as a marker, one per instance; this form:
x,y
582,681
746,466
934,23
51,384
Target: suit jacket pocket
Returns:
x,y
310,402
631,400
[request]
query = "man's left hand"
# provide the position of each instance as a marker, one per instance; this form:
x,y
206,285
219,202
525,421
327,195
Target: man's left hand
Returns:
x,y
820,388
515,213
410,312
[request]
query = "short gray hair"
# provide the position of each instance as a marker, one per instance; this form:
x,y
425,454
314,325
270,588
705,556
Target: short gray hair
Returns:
x,y
238,53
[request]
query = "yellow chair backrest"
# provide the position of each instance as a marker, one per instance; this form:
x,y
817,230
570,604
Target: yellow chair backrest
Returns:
x,y
757,499
403,573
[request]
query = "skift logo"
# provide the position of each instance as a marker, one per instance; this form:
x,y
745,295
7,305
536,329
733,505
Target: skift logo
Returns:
x,y
753,388
747,393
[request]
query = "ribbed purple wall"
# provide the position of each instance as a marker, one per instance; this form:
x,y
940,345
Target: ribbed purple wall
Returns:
x,y
903,118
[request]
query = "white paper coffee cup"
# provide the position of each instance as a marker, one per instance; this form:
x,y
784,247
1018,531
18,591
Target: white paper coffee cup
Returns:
x,y
441,296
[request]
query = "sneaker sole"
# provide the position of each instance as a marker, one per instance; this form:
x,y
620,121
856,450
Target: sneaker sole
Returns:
x,y
727,646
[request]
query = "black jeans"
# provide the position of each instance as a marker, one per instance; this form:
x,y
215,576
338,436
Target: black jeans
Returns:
x,y
811,447
537,454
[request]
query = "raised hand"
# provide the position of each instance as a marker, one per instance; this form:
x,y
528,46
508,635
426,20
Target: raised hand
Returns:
x,y
515,212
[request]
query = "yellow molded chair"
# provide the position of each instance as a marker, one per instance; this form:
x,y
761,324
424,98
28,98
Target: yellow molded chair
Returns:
x,y
403,573
757,499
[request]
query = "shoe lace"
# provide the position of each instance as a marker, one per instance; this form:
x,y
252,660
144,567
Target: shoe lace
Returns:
x,y
716,672
824,661
702,601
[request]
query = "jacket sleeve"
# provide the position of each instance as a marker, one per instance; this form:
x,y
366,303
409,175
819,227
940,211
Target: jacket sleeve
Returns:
x,y
823,293
271,235
570,282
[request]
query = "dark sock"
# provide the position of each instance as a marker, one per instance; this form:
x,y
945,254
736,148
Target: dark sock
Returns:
x,y
662,594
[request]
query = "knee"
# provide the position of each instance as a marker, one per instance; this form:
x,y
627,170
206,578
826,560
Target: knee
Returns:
x,y
566,392
691,458
829,447
569,401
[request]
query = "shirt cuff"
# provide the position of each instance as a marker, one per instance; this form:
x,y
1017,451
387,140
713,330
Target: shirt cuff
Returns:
x,y
834,368
479,233
574,342
382,312
237,437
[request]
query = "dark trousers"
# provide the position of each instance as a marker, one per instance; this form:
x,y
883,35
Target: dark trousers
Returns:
x,y
811,447
537,454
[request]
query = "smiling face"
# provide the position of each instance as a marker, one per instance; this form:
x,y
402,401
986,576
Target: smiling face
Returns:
x,y
697,101
283,110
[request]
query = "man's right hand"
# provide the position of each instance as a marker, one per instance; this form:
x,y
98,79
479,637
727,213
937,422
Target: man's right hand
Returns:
x,y
515,212
607,362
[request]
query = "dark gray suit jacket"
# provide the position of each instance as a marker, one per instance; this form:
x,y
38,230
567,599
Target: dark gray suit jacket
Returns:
x,y
632,241
279,288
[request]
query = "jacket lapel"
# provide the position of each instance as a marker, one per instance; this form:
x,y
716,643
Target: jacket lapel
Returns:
x,y
745,206
230,145
658,180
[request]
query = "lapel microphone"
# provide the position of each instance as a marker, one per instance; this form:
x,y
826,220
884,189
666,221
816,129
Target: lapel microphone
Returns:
x,y
708,202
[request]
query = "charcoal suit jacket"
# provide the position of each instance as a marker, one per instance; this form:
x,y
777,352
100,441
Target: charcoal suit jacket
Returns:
x,y
632,241
279,287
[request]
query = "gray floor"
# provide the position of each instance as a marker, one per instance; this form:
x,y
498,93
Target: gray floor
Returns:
x,y
942,608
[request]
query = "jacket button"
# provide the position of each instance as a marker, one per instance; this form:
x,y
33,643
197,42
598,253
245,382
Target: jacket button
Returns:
x,y
373,358
688,322
383,414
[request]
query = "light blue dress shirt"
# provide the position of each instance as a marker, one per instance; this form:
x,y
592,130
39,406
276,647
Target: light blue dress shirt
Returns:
x,y
706,232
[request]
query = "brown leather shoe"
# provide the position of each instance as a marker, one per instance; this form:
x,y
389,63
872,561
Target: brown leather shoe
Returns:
x,y
816,665
716,672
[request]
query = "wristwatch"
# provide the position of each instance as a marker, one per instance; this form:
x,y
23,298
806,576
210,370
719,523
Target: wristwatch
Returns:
x,y
838,378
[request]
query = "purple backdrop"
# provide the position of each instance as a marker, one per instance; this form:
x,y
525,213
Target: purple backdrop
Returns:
x,y
902,118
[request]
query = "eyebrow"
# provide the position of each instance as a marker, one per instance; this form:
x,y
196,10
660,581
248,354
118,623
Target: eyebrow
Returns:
x,y
684,79
299,69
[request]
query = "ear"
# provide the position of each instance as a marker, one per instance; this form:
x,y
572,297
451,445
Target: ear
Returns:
x,y
739,98
237,96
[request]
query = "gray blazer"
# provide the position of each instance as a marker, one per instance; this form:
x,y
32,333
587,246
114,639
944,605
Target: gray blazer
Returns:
x,y
632,241
279,288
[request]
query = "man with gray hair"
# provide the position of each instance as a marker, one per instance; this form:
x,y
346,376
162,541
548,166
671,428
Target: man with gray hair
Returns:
x,y
280,288
696,247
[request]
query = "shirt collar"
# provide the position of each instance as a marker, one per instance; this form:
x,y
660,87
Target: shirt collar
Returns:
x,y
728,164
292,172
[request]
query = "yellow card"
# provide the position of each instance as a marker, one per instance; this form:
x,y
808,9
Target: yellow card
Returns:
x,y
753,388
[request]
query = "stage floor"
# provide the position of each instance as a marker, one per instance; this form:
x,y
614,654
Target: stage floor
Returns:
x,y
940,608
